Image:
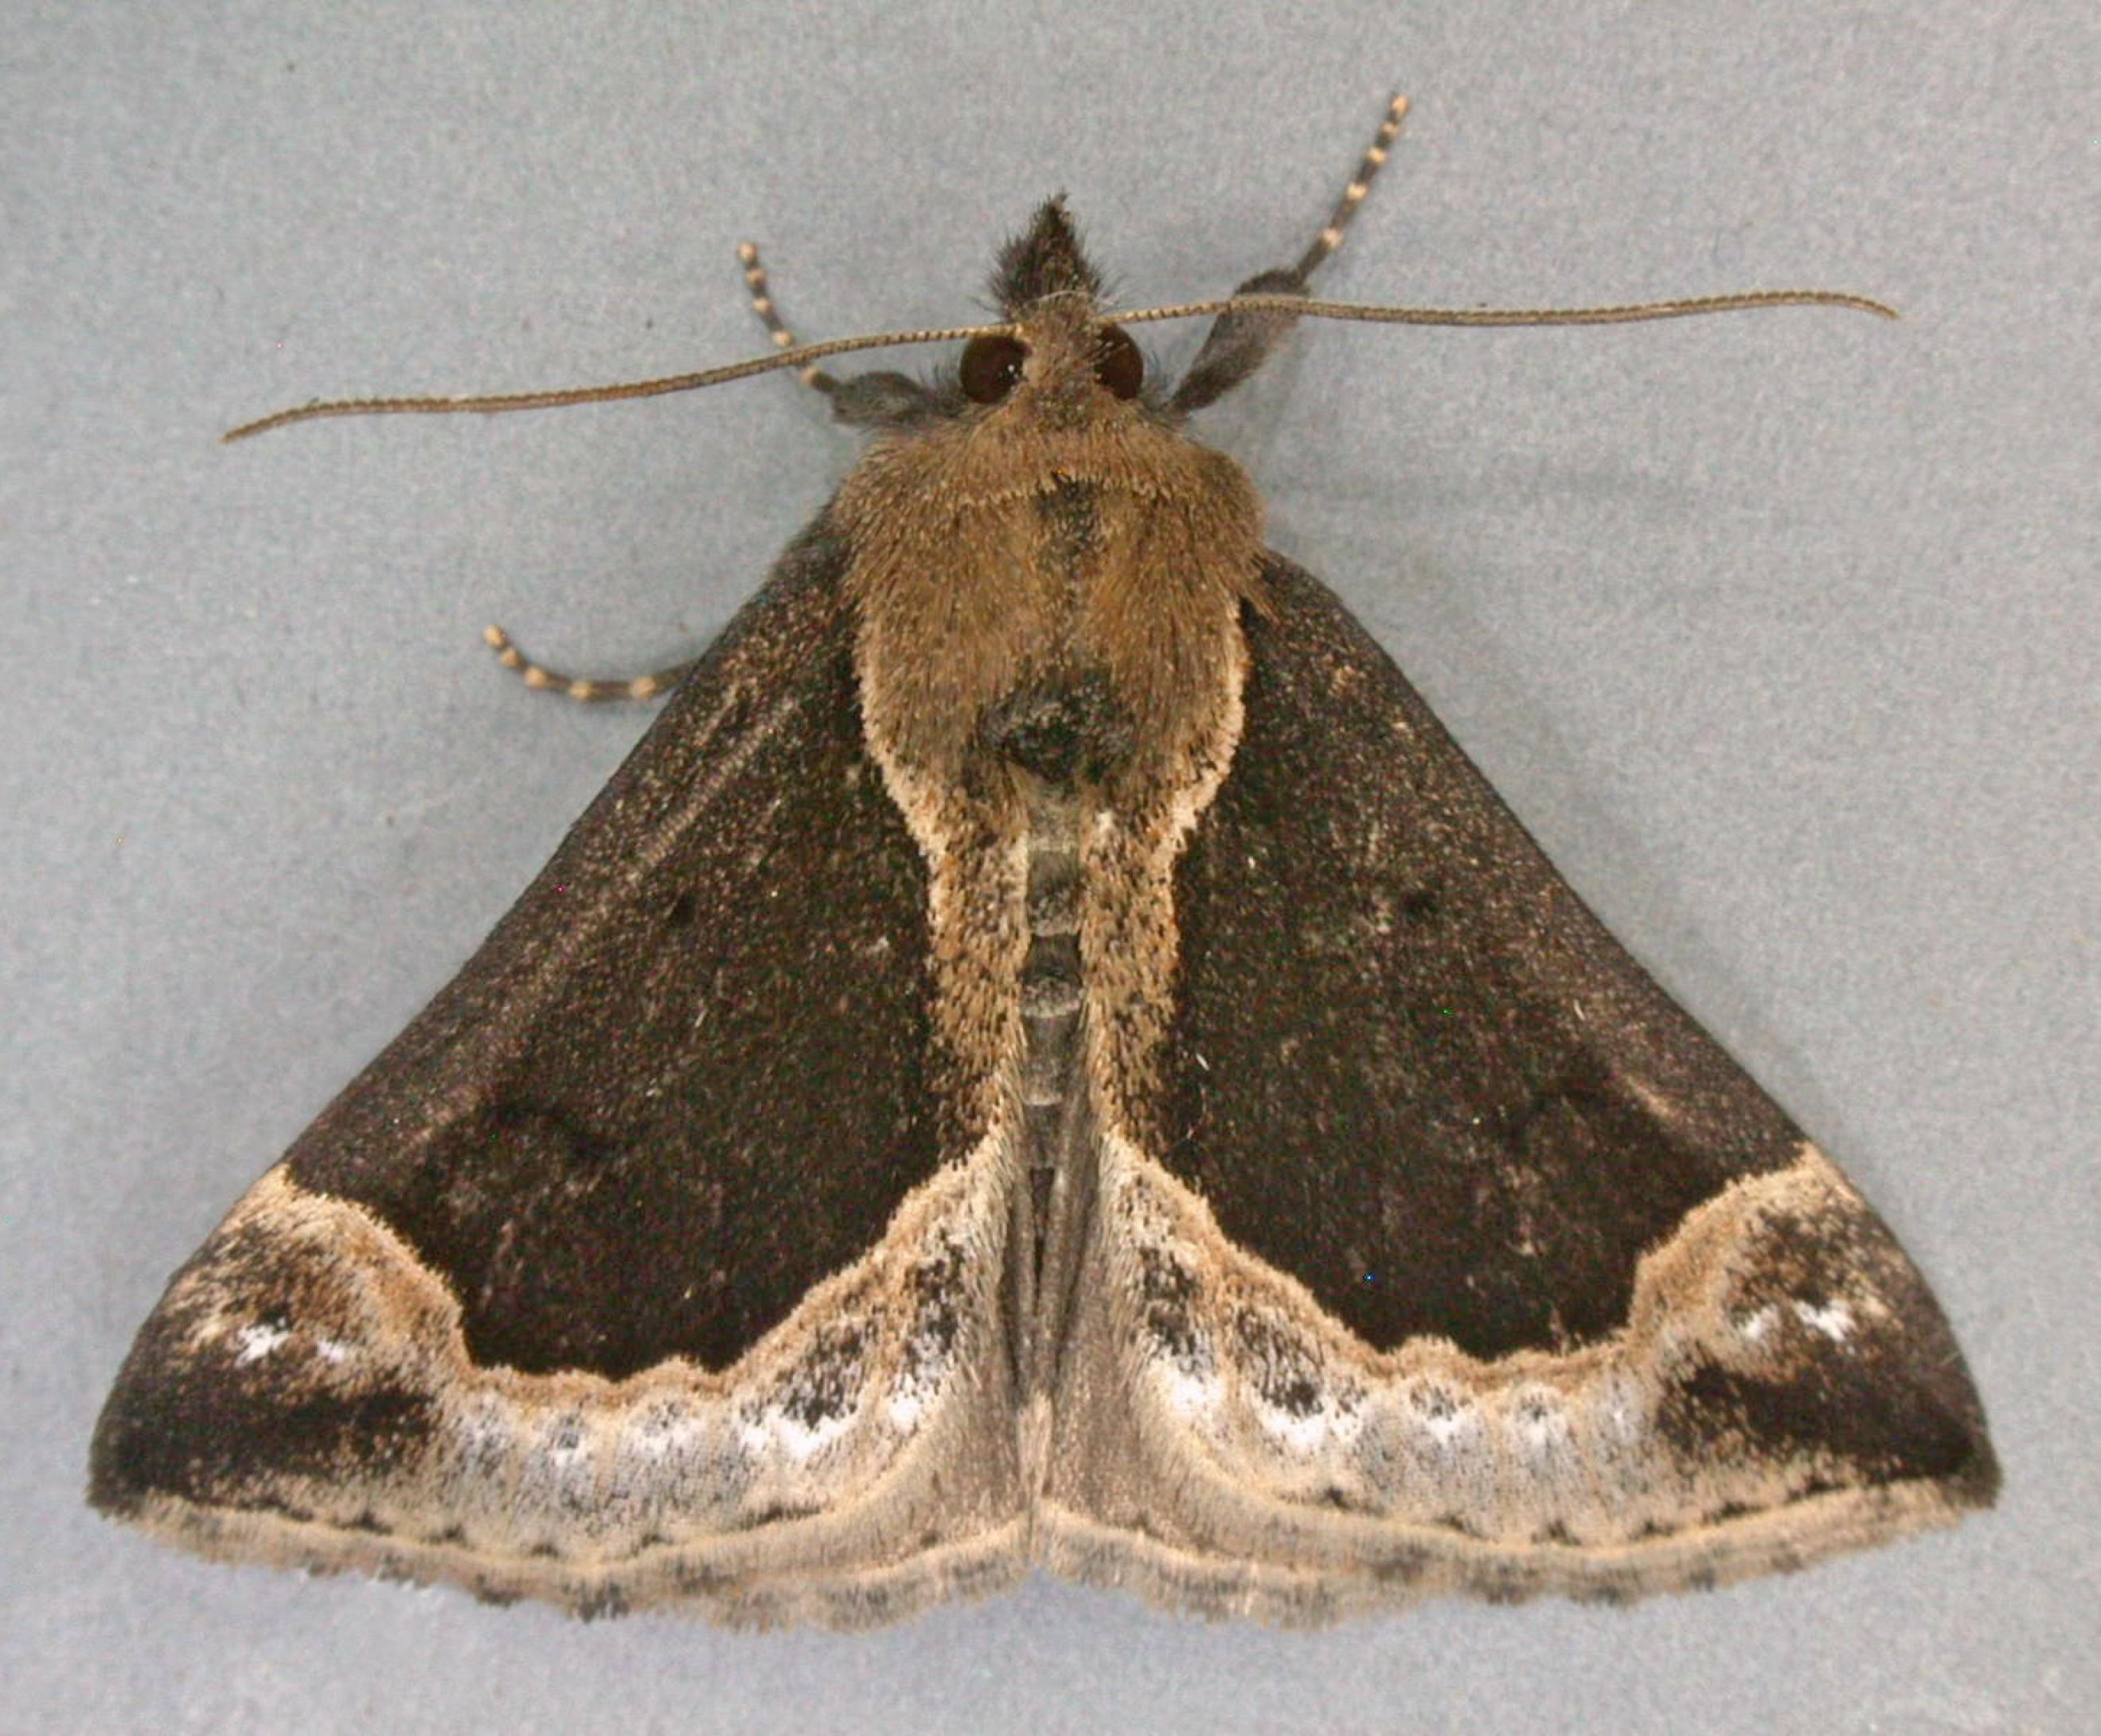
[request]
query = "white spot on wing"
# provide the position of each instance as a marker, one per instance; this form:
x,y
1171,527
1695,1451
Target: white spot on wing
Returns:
x,y
1188,1392
1445,1427
258,1341
1451,1422
775,1434
912,1393
1833,1320
567,1444
1542,1425
1753,1328
1326,1428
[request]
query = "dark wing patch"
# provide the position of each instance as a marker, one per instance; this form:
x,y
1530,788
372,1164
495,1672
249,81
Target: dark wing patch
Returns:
x,y
1410,1068
682,1081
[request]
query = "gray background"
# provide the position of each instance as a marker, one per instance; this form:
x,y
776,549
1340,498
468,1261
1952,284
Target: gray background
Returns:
x,y
1779,631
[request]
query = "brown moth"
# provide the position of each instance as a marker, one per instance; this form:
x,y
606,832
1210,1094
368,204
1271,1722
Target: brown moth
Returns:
x,y
1047,1055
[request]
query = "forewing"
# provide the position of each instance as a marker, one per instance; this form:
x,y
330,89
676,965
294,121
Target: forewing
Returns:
x,y
1463,1256
634,1269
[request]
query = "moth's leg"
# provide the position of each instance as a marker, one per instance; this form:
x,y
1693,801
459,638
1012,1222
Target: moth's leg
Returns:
x,y
762,304
1239,343
538,675
863,401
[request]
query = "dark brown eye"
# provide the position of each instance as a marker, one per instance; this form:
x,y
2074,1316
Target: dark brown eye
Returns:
x,y
1117,364
992,368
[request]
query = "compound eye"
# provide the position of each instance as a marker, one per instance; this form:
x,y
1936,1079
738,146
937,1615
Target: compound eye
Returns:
x,y
1118,365
991,367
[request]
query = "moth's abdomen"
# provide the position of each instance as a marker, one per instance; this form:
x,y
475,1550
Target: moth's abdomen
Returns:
x,y
1053,1184
1050,973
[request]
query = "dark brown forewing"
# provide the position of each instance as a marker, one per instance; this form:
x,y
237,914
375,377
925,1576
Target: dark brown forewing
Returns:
x,y
1411,1068
684,1080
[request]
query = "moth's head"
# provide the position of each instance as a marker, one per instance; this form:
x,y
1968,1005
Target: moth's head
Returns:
x,y
1063,366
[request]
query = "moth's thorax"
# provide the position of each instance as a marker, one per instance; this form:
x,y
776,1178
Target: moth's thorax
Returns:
x,y
1061,549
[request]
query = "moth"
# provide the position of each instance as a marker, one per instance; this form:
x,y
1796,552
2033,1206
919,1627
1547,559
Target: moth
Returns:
x,y
1047,1055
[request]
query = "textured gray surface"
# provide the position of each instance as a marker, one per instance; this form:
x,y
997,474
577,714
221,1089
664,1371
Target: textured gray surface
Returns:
x,y
1779,631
